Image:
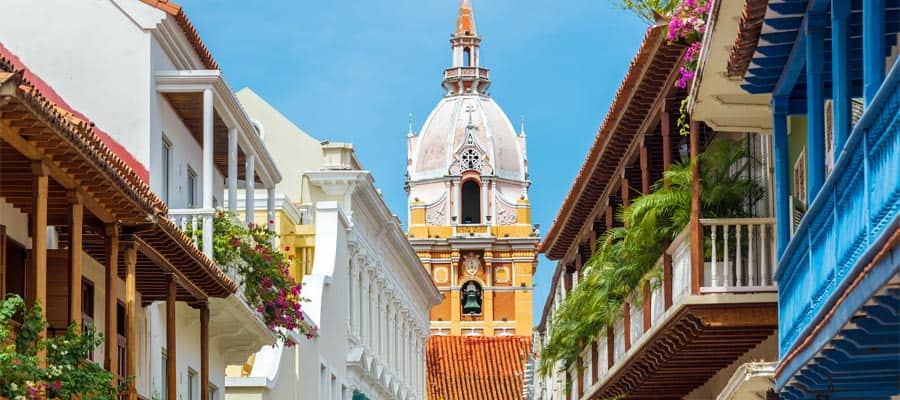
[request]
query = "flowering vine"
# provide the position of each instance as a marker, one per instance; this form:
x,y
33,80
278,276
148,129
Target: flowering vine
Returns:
x,y
268,285
688,24
67,372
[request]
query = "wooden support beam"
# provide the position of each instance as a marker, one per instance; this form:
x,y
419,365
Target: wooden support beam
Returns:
x,y
111,359
666,129
160,260
645,171
2,261
59,175
626,321
696,229
204,351
626,192
667,280
647,304
610,347
131,319
76,229
171,340
38,271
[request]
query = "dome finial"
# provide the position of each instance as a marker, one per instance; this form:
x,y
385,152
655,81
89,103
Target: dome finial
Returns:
x,y
410,132
522,124
465,23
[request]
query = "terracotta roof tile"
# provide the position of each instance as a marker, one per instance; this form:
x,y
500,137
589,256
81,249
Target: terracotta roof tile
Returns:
x,y
476,368
188,28
78,132
655,55
747,37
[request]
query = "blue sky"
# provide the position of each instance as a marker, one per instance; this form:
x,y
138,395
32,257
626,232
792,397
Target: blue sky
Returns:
x,y
352,70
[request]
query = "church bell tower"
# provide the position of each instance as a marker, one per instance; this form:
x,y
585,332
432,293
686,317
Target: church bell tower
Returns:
x,y
469,211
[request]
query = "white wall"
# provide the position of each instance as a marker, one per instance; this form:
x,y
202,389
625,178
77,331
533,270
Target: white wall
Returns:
x,y
93,55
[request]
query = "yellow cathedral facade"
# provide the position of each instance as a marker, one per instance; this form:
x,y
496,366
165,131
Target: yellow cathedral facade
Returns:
x,y
469,211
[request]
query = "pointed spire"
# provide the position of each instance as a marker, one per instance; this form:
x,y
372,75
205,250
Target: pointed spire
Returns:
x,y
522,129
410,133
465,23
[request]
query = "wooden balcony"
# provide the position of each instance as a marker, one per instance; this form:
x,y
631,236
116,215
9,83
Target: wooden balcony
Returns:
x,y
689,319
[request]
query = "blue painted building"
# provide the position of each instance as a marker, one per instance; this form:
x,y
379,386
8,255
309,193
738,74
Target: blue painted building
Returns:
x,y
831,67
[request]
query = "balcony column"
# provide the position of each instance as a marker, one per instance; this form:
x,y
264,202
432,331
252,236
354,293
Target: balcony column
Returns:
x,y
873,48
645,170
111,359
610,347
232,169
208,166
171,340
782,174
484,205
840,79
76,224
665,129
696,230
37,275
204,351
815,104
131,318
249,188
270,210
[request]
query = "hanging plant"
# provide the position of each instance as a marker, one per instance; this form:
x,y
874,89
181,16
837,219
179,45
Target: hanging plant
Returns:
x,y
68,372
688,24
625,256
266,277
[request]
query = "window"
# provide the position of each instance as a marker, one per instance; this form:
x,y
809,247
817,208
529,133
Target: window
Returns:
x,y
471,203
191,188
193,386
467,57
165,162
164,373
213,392
87,308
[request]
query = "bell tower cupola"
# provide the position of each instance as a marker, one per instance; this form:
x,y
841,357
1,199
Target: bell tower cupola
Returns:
x,y
466,76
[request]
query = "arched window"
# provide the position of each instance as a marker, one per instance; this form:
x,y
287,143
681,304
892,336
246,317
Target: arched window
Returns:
x,y
471,203
471,298
467,57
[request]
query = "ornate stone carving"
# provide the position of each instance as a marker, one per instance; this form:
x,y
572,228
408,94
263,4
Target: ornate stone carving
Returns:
x,y
472,263
506,217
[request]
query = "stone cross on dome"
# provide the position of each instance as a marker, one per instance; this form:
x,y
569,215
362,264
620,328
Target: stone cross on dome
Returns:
x,y
470,109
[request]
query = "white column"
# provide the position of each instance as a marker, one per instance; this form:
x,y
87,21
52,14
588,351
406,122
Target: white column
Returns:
x,y
354,287
208,143
250,188
232,169
364,298
373,315
484,205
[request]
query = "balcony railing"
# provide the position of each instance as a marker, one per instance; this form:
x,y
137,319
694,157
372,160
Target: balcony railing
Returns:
x,y
740,259
469,72
197,223
859,201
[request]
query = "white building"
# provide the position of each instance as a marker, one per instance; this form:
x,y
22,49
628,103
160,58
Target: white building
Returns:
x,y
139,71
369,294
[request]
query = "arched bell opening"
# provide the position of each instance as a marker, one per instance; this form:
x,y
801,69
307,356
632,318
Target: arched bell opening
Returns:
x,y
471,202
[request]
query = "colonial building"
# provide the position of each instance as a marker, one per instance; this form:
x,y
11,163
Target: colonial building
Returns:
x,y
369,294
707,306
181,138
469,214
470,223
832,72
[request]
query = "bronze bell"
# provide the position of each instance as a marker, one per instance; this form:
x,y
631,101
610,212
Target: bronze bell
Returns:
x,y
471,306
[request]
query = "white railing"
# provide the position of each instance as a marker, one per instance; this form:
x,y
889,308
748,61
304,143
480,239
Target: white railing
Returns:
x,y
197,223
740,258
741,255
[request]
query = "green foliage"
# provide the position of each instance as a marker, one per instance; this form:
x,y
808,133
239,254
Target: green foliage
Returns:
x,y
648,10
67,372
267,281
625,256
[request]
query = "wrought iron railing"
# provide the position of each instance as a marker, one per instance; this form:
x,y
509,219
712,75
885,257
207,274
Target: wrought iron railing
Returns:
x,y
858,202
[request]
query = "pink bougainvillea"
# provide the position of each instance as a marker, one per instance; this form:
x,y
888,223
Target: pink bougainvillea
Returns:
x,y
688,24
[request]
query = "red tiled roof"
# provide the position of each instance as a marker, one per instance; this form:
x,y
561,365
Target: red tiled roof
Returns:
x,y
747,37
47,92
188,28
656,58
476,368
108,159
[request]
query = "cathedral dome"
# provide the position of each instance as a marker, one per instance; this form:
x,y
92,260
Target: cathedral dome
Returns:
x,y
468,132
